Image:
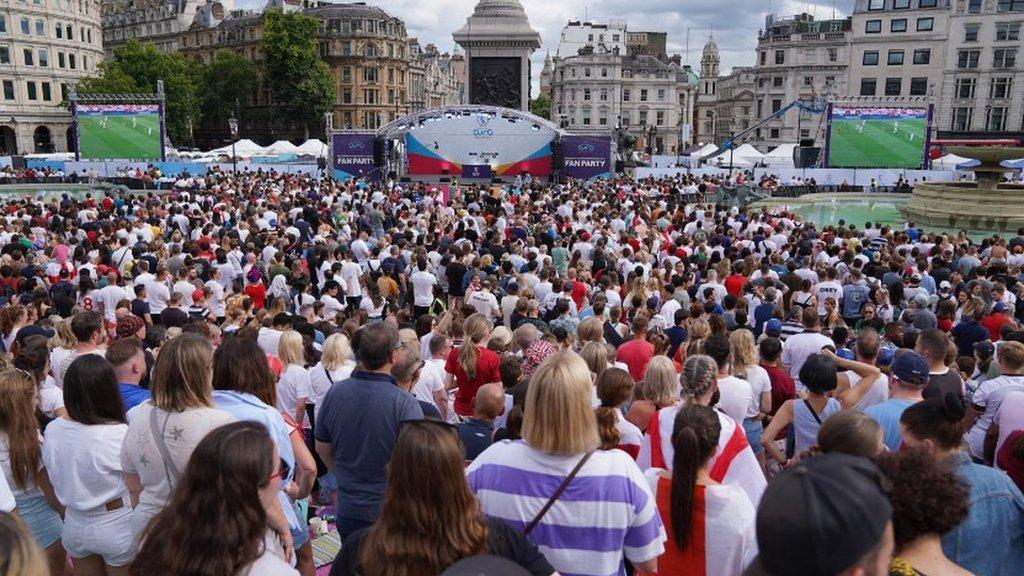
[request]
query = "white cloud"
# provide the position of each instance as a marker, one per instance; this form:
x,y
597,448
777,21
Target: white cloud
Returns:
x,y
735,24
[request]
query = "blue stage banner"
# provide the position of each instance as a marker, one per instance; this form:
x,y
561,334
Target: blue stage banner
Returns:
x,y
587,157
476,171
353,156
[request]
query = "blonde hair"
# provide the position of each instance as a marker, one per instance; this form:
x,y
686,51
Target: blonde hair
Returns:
x,y
290,349
659,382
63,337
558,418
337,351
182,376
590,330
700,329
21,555
744,353
596,356
475,329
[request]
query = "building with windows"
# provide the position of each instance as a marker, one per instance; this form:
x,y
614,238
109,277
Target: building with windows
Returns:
x,y
734,105
983,85
704,122
152,21
45,47
603,37
366,48
898,48
797,58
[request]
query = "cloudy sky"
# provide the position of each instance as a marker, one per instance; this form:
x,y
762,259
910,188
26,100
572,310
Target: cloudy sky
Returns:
x,y
734,23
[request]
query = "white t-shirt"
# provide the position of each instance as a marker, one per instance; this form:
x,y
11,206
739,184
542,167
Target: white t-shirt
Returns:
x,y
268,339
798,348
50,397
760,383
140,455
319,383
350,273
292,387
216,299
431,380
84,462
1010,417
736,396
422,287
878,393
332,306
7,503
30,490
109,296
158,294
989,396
829,289
484,303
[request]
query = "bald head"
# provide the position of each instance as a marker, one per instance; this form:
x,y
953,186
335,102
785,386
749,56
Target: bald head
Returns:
x,y
489,402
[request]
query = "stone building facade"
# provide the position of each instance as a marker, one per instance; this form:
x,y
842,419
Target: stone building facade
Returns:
x,y
46,46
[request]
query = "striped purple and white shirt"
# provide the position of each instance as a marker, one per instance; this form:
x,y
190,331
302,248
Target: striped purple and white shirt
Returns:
x,y
606,512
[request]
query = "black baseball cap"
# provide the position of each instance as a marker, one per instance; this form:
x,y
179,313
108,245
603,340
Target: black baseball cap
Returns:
x,y
820,517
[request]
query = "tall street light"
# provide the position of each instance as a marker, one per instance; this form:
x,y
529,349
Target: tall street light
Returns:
x,y
233,127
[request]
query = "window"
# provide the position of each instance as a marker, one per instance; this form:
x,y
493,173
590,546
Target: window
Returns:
x,y
643,95
964,88
995,120
586,94
5,55
44,57
776,105
895,58
876,4
1004,57
59,30
927,3
780,57
71,61
346,75
808,81
85,62
971,32
773,133
369,74
32,95
625,95
893,86
870,58
40,28
659,118
919,86
974,6
777,82
346,48
962,117
3,24
833,55
764,58
1010,6
925,24
604,95
1007,31
26,27
586,72
873,27
643,117
29,60
999,87
69,33
900,4
968,58
809,56
922,56
47,96
898,25
604,72
8,90
369,96
346,96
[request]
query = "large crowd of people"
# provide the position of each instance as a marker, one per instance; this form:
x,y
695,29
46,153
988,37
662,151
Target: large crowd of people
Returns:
x,y
590,378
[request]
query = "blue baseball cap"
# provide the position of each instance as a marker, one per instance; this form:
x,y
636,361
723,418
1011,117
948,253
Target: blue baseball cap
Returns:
x,y
910,367
773,327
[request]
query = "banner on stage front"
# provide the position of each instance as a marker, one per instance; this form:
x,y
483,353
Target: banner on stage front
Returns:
x,y
352,156
587,157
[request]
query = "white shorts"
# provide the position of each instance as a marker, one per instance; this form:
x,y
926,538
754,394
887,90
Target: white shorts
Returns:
x,y
100,532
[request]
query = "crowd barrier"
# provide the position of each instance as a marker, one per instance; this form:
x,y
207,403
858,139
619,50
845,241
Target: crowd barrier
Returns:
x,y
111,169
860,178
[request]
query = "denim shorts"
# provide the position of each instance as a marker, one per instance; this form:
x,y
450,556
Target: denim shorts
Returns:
x,y
43,520
102,532
753,428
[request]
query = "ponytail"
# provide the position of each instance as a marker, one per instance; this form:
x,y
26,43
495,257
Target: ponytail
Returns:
x,y
695,437
939,418
607,428
476,328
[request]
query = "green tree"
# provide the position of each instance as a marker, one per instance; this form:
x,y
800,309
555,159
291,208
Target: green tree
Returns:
x,y
228,82
301,85
541,106
136,67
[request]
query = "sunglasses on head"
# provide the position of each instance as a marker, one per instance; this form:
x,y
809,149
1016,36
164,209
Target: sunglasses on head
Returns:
x,y
283,469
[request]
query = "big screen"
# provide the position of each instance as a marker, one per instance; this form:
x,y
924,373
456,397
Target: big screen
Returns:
x,y
119,131
877,137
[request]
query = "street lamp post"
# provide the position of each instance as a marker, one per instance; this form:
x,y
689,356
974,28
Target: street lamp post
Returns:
x,y
233,127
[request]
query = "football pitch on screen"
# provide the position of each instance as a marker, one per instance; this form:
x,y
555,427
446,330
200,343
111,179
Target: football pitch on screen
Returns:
x,y
877,143
119,136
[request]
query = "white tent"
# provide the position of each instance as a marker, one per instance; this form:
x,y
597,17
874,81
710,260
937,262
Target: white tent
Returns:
x,y
312,147
244,148
738,161
705,150
747,151
281,147
780,157
948,162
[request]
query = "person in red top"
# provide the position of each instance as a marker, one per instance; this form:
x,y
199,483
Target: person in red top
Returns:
x,y
255,289
472,365
783,387
636,353
1011,457
734,282
995,320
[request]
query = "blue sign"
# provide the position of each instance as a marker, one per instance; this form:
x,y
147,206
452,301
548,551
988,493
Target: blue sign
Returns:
x,y
476,171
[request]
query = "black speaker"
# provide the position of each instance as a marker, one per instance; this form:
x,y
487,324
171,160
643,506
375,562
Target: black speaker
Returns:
x,y
392,175
445,179
806,142
618,166
496,180
405,179
557,156
805,156
18,162
321,163
378,152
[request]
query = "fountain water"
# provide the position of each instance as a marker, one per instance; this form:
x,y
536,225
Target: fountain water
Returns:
x,y
987,204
